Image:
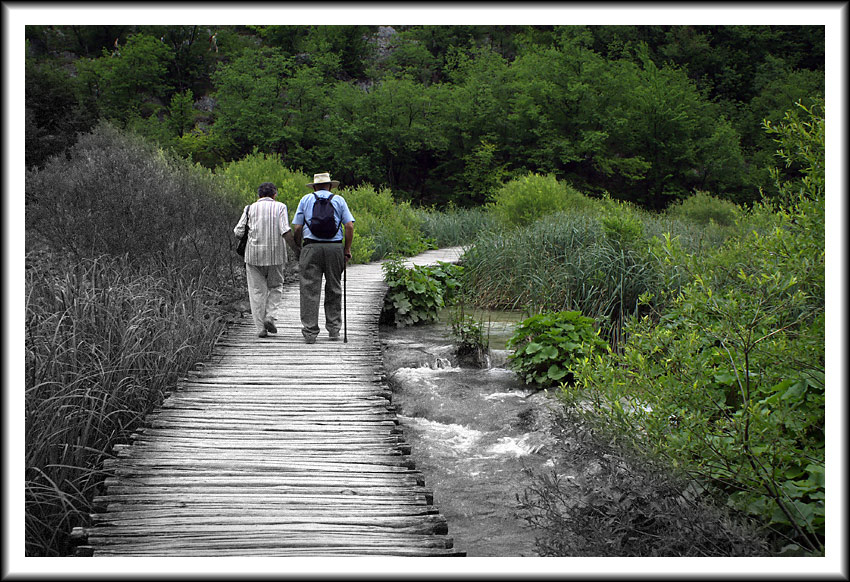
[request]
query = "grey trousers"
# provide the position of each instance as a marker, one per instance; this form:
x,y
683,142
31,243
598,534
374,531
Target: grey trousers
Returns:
x,y
321,260
265,291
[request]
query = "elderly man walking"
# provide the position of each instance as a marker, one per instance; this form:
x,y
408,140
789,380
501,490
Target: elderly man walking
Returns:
x,y
267,221
324,227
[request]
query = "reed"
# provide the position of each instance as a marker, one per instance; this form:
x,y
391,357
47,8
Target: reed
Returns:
x,y
104,343
455,226
560,263
599,261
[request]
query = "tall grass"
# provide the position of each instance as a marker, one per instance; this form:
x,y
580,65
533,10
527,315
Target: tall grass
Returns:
x,y
560,263
128,275
455,226
104,342
601,261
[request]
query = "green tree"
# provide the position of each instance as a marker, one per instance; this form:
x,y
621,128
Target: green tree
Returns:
x,y
130,80
53,115
181,114
250,93
194,51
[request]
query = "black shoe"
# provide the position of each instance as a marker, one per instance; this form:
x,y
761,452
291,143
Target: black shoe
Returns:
x,y
270,327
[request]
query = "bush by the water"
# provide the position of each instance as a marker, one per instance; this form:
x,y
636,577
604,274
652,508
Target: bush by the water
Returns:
x,y
565,262
417,294
546,346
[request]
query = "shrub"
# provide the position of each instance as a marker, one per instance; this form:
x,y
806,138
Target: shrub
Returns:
x,y
390,227
115,194
546,345
704,208
246,175
621,223
417,294
524,200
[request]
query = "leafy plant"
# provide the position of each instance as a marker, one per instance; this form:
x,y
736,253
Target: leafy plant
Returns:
x,y
417,294
621,223
546,346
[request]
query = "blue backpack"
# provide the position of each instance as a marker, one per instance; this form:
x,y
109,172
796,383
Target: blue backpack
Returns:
x,y
323,222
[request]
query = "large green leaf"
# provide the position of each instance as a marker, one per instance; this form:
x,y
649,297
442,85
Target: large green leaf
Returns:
x,y
556,372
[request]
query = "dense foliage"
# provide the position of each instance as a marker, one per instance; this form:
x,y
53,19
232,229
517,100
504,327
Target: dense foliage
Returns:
x,y
440,114
727,381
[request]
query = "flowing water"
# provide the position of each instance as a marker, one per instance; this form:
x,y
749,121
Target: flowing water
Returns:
x,y
473,432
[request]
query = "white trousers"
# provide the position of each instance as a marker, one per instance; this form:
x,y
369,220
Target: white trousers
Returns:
x,y
265,291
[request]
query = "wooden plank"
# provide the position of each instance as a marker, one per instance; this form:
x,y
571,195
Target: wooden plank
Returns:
x,y
262,499
277,448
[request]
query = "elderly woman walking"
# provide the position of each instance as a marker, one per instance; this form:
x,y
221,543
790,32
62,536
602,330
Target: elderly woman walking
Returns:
x,y
267,221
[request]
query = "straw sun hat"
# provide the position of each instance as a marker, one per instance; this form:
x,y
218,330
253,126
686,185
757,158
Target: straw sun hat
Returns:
x,y
324,178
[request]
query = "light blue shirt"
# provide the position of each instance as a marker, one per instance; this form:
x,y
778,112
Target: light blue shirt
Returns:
x,y
305,212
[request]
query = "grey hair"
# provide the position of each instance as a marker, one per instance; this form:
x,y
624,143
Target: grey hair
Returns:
x,y
267,189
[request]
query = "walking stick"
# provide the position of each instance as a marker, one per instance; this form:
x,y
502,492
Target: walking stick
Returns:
x,y
344,302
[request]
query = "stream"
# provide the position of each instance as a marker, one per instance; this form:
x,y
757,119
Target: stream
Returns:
x,y
473,431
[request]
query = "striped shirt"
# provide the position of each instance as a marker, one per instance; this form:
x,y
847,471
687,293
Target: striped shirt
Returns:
x,y
268,221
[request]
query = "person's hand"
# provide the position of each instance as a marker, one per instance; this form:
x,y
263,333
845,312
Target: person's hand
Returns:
x,y
347,257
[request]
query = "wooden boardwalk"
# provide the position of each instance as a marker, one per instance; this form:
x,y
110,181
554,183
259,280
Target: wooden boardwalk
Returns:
x,y
276,448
